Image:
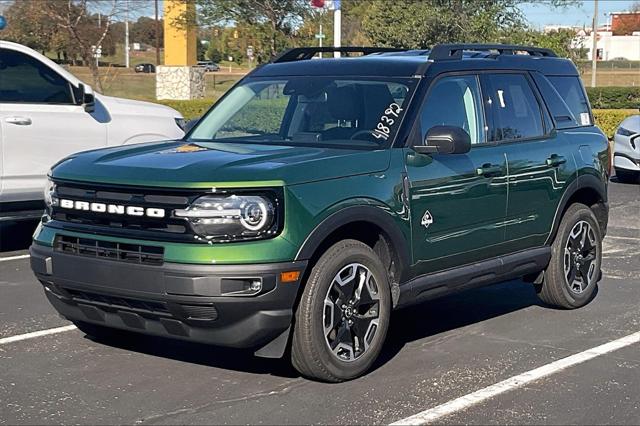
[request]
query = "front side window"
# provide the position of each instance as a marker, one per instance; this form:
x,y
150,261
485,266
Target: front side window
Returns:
x,y
514,108
24,79
312,110
570,89
454,101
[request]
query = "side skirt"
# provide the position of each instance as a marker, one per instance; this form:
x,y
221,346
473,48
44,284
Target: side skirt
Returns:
x,y
478,274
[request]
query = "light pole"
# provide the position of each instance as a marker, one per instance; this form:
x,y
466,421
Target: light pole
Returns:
x,y
126,35
337,26
594,46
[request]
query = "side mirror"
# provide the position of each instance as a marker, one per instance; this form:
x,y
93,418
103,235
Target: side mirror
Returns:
x,y
445,140
87,98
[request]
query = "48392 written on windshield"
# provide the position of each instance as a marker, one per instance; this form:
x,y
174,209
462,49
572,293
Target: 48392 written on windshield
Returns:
x,y
387,121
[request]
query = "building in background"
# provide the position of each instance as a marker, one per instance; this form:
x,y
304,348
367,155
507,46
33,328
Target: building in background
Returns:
x,y
617,40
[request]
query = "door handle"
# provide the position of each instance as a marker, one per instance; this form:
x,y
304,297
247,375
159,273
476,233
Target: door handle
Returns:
x,y
555,160
488,170
20,121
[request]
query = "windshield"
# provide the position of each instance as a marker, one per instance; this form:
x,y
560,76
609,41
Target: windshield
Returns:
x,y
323,111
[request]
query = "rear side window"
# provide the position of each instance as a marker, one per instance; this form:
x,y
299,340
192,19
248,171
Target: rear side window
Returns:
x,y
513,106
24,79
570,89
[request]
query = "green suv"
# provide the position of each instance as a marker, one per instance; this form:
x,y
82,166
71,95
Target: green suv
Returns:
x,y
317,196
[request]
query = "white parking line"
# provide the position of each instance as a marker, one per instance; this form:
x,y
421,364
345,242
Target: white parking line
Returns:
x,y
40,333
22,256
515,382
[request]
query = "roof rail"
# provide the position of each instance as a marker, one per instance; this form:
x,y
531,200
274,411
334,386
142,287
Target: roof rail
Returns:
x,y
449,52
303,53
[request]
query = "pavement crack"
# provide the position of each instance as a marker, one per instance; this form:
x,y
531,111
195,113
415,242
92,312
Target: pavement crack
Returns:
x,y
283,389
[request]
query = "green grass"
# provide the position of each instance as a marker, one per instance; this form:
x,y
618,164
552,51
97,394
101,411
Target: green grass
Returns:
x,y
125,83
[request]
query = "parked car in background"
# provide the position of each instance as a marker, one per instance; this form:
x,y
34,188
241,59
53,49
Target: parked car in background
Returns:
x,y
209,66
46,114
145,68
626,151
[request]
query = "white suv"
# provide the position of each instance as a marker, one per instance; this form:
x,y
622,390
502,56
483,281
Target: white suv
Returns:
x,y
46,114
627,150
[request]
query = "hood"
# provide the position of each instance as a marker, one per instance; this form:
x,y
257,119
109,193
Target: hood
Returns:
x,y
187,165
133,107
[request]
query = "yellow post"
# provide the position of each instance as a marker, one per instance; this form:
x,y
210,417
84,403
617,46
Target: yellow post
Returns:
x,y
179,33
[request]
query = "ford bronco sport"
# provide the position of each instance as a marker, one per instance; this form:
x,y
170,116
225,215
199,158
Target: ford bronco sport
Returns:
x,y
317,196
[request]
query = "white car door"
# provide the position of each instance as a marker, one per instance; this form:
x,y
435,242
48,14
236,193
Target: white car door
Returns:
x,y
41,123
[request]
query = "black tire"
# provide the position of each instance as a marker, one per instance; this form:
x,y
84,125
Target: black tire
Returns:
x,y
556,289
627,176
311,354
102,333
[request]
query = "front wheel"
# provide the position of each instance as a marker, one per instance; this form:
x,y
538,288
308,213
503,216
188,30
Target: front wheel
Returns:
x,y
343,315
576,255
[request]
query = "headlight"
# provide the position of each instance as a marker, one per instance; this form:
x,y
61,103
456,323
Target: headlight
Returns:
x,y
232,217
624,132
49,191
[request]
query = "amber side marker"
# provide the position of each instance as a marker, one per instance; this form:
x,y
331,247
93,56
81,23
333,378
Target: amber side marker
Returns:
x,y
289,276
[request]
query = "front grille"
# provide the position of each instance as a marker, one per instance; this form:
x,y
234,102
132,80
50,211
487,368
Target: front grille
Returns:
x,y
116,302
161,229
132,253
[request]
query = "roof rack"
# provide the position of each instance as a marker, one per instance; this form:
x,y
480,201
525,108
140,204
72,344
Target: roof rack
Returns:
x,y
450,52
303,53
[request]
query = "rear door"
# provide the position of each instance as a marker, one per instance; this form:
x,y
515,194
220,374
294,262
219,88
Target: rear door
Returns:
x,y
41,123
458,201
540,162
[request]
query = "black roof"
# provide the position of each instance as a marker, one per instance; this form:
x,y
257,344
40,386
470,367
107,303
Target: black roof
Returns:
x,y
407,63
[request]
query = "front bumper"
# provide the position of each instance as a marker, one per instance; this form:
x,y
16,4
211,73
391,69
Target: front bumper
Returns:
x,y
170,300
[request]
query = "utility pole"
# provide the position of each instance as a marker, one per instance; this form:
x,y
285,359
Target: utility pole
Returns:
x,y
157,35
594,46
337,26
126,36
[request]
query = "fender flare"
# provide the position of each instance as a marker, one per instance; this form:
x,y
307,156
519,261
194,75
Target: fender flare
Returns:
x,y
368,213
582,182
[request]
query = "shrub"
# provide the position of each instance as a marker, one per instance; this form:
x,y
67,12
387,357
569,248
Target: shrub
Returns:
x,y
614,97
609,119
190,109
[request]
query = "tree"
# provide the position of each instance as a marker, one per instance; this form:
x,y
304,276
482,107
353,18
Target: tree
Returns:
x,y
274,18
144,31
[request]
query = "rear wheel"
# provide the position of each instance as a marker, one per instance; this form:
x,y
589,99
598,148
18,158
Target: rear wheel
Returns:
x,y
576,255
343,315
627,176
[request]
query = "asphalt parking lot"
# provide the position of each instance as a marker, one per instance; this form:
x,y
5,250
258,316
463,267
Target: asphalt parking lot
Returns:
x,y
436,352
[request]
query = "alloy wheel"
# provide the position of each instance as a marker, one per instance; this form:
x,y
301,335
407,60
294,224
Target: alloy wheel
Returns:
x,y
580,255
351,312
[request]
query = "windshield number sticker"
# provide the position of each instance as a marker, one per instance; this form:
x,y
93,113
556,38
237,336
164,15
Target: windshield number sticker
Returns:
x,y
383,128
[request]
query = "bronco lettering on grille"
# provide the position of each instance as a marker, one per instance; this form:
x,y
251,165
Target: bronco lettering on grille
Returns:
x,y
112,208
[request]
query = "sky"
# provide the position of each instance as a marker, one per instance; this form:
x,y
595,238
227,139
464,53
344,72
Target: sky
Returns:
x,y
538,13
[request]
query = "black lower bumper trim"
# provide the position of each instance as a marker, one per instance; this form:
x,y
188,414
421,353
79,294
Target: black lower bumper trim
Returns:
x,y
169,300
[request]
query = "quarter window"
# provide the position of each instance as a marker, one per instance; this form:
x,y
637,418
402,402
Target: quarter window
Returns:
x,y
24,79
454,101
570,89
515,110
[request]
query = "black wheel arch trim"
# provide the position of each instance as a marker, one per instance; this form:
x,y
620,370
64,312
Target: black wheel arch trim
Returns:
x,y
587,181
375,215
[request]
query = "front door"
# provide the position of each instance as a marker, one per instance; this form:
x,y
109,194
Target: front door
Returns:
x,y
457,201
41,124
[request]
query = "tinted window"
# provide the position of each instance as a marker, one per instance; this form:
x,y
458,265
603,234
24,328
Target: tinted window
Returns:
x,y
26,80
454,101
562,114
514,108
570,89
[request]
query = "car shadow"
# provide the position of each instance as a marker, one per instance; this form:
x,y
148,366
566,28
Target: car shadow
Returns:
x,y
16,235
413,323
